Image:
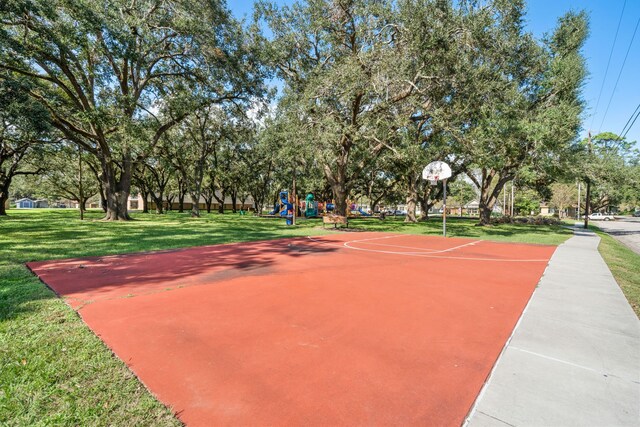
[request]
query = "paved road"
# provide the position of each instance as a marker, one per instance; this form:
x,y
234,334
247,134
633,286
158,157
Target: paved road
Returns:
x,y
625,230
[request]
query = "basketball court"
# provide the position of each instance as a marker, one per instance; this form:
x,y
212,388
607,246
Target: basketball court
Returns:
x,y
344,329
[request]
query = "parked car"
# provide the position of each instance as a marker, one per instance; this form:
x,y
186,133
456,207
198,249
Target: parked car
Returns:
x,y
598,216
636,213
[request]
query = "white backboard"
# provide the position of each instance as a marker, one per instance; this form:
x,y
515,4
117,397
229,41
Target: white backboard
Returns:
x,y
436,171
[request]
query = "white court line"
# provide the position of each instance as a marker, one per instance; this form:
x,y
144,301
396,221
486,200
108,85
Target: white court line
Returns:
x,y
461,246
377,238
430,251
422,250
422,255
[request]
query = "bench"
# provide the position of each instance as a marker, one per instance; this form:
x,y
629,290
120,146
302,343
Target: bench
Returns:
x,y
335,220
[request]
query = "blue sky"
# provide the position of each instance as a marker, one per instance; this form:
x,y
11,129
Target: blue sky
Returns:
x,y
604,15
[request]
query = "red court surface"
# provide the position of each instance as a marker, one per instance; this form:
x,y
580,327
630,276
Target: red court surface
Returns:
x,y
344,329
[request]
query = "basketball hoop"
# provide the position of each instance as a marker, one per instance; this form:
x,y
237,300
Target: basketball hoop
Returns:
x,y
434,172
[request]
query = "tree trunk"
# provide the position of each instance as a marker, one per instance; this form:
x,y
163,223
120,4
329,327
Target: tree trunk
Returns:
x,y
208,194
95,169
258,201
243,201
117,190
145,200
197,186
411,210
103,202
412,198
182,192
220,201
4,196
488,195
234,201
427,199
339,184
195,204
375,202
425,205
159,201
340,196
485,214
160,183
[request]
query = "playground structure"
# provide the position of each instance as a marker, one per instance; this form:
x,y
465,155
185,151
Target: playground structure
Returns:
x,y
310,208
284,208
354,210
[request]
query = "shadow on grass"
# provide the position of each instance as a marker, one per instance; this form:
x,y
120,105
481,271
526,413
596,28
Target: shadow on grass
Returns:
x,y
33,235
58,234
19,291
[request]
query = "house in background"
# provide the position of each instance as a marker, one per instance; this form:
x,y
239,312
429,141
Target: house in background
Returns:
x,y
28,203
546,210
25,203
135,202
473,208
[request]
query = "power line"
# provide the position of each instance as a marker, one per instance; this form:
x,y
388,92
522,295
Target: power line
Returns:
x,y
631,125
608,63
619,74
630,117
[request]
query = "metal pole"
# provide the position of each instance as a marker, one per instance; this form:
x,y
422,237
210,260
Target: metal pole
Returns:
x,y
80,182
295,198
444,208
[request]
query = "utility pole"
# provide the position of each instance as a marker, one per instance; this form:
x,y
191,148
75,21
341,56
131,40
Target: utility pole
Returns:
x,y
579,198
504,201
81,195
587,202
513,198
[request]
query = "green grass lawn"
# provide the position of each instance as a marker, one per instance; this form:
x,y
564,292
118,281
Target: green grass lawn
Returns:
x,y
623,263
625,267
521,233
53,370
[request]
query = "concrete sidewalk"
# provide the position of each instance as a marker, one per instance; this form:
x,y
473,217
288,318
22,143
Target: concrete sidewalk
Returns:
x,y
574,357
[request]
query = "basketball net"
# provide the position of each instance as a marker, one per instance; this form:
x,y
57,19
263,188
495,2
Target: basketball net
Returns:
x,y
433,182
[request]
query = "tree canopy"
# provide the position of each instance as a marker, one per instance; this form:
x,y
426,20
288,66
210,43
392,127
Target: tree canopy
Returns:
x,y
170,99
